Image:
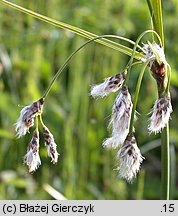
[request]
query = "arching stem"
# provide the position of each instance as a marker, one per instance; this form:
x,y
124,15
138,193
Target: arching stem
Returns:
x,y
137,94
76,51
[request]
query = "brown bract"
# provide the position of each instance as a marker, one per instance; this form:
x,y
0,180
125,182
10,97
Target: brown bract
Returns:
x,y
159,74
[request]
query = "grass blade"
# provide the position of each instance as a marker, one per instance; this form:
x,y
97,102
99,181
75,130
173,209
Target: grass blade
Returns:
x,y
156,14
81,32
54,193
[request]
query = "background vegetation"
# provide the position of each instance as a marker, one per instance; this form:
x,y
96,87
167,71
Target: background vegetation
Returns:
x,y
31,51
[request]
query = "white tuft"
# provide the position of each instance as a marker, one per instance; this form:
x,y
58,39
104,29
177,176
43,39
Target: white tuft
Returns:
x,y
130,159
26,119
157,55
21,126
160,114
113,142
51,145
32,160
111,84
120,119
52,152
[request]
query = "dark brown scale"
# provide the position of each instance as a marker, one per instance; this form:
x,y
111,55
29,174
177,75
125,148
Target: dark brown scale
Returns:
x,y
47,137
34,145
129,137
30,113
124,90
37,106
35,149
119,105
159,73
116,82
130,152
52,150
165,109
133,141
118,76
162,101
28,123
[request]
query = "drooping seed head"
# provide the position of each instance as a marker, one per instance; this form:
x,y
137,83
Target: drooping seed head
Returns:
x,y
160,114
120,119
129,158
113,142
155,53
111,84
32,158
51,145
26,119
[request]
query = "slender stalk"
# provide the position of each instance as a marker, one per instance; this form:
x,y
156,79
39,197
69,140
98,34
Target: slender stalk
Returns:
x,y
173,172
36,122
169,79
41,120
137,94
165,164
151,14
150,8
81,32
76,51
157,18
156,8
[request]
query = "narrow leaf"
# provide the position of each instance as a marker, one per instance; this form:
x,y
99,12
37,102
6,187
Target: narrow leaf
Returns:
x,y
81,32
53,192
156,7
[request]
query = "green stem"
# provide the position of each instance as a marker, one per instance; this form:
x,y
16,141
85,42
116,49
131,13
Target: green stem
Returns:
x,y
165,154
156,11
136,95
169,79
165,164
81,32
36,122
151,14
75,52
41,120
156,7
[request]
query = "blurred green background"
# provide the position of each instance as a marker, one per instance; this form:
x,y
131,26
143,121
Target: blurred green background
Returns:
x,y
31,52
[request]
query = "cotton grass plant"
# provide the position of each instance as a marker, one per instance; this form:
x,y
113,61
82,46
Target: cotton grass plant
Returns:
x,y
147,54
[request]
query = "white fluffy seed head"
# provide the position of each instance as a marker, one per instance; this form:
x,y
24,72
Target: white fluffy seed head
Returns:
x,y
51,145
129,158
32,158
120,119
157,55
26,119
160,114
22,125
113,142
110,84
